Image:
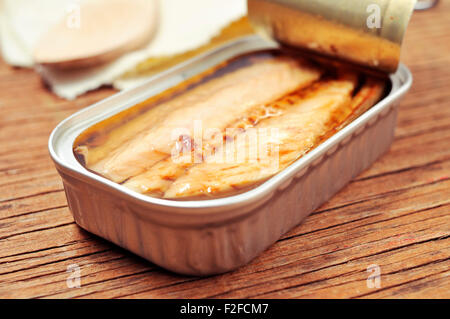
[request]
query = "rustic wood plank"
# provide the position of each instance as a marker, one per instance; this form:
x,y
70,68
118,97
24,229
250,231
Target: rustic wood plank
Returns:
x,y
316,243
394,215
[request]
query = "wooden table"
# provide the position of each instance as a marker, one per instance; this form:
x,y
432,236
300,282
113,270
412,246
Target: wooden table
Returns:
x,y
395,215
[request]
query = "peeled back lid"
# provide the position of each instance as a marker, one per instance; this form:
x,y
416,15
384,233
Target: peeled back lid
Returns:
x,y
367,33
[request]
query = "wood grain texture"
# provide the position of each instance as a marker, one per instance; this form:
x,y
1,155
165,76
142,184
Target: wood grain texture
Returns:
x,y
395,215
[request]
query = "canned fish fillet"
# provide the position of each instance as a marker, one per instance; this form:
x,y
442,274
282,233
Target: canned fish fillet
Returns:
x,y
229,129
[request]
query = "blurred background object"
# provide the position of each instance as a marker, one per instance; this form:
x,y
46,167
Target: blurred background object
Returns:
x,y
80,45
151,66
39,33
425,4
99,38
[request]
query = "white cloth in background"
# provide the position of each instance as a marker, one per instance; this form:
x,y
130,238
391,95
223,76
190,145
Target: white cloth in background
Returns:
x,y
184,25
22,22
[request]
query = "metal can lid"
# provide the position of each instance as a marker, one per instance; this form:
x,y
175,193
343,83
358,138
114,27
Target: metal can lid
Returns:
x,y
367,33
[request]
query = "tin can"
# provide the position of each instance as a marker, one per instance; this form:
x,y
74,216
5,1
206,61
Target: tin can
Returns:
x,y
204,237
364,32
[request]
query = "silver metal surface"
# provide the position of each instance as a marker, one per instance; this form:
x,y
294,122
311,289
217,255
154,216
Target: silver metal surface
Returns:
x,y
214,236
365,32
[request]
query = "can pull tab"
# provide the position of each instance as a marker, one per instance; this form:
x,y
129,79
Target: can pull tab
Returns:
x,y
367,33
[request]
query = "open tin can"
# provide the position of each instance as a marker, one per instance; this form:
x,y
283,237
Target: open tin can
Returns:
x,y
204,237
